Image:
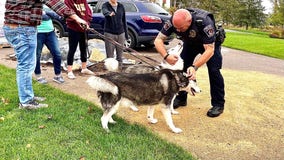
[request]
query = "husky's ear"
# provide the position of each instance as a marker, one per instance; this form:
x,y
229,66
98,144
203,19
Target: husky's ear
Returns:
x,y
185,74
181,79
176,50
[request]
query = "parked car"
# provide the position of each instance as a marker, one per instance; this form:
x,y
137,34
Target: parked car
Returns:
x,y
144,20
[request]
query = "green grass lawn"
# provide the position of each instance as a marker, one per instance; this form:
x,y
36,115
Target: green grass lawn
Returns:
x,y
255,42
70,128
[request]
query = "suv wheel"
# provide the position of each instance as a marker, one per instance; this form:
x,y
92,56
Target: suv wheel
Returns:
x,y
130,42
58,30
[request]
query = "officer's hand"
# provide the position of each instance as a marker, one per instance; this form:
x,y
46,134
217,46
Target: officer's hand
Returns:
x,y
172,59
191,72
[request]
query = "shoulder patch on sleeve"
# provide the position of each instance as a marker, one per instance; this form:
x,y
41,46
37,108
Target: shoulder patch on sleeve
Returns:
x,y
209,31
167,25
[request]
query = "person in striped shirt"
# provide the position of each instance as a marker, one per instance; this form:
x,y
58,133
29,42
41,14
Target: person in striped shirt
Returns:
x,y
21,19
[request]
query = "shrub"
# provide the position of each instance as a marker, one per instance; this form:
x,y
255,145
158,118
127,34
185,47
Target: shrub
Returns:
x,y
277,34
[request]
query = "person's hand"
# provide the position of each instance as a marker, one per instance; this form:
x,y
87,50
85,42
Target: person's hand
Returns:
x,y
80,21
172,59
112,14
191,72
83,24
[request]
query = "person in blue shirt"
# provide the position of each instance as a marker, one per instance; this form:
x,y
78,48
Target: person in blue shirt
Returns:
x,y
46,36
196,28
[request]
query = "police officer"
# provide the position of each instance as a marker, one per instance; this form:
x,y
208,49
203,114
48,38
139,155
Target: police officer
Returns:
x,y
196,28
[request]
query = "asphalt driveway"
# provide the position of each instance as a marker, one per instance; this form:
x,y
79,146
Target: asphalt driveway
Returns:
x,y
241,60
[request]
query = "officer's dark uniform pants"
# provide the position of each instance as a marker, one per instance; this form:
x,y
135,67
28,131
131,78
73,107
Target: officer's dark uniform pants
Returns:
x,y
215,77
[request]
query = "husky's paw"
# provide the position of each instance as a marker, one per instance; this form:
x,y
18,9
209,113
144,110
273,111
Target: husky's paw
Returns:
x,y
152,120
174,112
133,108
104,122
107,130
176,130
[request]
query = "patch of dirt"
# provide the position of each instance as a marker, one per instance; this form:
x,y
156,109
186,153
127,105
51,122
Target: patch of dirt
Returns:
x,y
251,127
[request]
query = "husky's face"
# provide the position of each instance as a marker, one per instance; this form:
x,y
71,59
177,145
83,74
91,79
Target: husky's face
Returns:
x,y
181,78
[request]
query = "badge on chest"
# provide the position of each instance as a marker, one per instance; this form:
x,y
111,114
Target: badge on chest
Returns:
x,y
192,34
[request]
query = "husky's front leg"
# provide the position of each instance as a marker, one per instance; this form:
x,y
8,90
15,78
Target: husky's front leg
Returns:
x,y
150,115
173,111
168,117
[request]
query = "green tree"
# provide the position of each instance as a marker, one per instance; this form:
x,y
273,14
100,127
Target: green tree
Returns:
x,y
226,10
277,17
250,13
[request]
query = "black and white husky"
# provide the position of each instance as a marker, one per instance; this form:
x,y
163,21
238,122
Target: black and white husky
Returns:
x,y
140,86
150,89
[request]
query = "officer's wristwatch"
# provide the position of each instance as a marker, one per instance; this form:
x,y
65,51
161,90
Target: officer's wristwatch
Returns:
x,y
166,56
195,68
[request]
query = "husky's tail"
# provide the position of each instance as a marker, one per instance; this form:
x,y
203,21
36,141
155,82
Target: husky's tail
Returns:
x,y
103,85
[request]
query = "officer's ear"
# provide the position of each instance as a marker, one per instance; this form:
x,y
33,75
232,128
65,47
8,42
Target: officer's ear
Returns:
x,y
199,22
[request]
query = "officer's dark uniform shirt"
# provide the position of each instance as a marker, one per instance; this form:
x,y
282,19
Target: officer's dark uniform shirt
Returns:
x,y
201,31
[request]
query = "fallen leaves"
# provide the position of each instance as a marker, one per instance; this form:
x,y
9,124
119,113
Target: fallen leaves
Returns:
x,y
5,101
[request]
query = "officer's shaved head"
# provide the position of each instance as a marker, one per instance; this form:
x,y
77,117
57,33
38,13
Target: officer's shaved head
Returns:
x,y
181,19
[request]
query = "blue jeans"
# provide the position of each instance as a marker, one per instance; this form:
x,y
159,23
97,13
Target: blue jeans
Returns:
x,y
51,42
23,40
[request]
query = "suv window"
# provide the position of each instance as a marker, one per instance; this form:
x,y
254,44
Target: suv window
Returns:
x,y
129,7
156,9
93,6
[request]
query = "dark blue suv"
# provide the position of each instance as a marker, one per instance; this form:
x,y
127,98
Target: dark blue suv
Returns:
x,y
144,20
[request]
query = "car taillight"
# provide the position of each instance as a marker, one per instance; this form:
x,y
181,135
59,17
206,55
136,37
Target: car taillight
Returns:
x,y
151,19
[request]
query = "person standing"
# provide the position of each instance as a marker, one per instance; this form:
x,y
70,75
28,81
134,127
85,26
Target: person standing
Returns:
x,y
20,28
77,35
115,27
46,36
196,28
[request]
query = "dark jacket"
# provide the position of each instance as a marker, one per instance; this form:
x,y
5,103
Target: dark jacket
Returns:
x,y
114,24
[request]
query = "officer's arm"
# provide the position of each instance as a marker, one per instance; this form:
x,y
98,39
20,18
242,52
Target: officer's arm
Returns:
x,y
207,54
159,44
160,47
